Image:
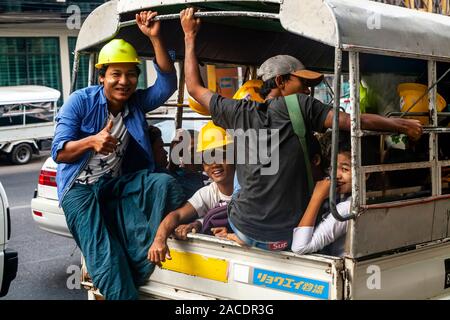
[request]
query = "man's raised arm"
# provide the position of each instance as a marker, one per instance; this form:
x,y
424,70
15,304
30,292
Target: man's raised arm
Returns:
x,y
194,84
151,29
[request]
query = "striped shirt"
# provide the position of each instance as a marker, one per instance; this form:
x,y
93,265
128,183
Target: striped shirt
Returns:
x,y
100,165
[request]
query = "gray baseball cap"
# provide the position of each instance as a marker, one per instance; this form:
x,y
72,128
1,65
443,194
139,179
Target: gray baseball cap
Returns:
x,y
284,64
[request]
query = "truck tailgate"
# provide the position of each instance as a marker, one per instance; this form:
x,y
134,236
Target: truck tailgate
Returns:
x,y
422,273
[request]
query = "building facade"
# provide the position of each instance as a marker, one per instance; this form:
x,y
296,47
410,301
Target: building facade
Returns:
x,y
434,6
37,41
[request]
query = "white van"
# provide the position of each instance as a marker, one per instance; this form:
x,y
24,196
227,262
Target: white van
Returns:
x,y
27,115
8,258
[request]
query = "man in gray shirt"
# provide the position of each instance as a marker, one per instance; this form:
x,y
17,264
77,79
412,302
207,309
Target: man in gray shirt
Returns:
x,y
268,207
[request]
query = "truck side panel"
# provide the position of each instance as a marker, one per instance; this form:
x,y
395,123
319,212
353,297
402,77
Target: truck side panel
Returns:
x,y
422,273
405,223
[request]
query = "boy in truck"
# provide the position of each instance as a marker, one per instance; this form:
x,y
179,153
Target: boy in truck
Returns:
x,y
330,232
189,179
212,139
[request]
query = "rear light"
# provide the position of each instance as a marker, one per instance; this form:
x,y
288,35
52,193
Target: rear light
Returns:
x,y
47,178
37,213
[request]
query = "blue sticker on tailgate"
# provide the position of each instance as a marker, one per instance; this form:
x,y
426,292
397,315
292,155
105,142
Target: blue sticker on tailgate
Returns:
x,y
286,282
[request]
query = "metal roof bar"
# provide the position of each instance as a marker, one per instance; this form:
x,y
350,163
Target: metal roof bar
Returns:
x,y
261,15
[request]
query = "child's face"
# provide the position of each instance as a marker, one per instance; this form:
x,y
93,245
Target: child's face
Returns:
x,y
219,172
159,153
344,173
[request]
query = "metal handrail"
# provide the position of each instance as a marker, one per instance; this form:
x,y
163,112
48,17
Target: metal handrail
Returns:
x,y
75,67
168,117
335,137
397,113
395,166
365,133
209,14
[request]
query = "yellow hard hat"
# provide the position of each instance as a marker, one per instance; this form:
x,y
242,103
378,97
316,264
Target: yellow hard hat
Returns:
x,y
197,107
411,92
117,51
250,91
212,137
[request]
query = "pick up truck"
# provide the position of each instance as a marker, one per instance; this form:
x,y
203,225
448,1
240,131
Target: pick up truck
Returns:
x,y
26,121
397,244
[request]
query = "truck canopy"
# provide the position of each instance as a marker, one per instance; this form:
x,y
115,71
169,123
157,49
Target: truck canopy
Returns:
x,y
27,94
315,28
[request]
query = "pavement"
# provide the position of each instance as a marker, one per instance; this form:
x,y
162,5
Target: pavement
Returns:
x,y
46,261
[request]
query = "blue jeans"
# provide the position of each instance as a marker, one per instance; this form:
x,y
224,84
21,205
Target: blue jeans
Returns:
x,y
265,245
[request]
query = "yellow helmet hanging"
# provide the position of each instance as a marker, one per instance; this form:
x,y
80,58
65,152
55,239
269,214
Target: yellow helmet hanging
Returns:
x,y
197,107
117,51
211,137
249,90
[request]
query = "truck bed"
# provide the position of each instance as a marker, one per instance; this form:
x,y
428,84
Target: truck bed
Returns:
x,y
208,268
205,267
44,130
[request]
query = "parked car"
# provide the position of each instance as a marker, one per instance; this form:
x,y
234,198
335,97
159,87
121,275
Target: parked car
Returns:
x,y
8,257
45,209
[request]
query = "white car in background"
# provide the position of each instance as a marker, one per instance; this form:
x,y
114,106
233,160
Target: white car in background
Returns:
x,y
45,209
8,257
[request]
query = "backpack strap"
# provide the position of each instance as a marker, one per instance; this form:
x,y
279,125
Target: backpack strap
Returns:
x,y
298,125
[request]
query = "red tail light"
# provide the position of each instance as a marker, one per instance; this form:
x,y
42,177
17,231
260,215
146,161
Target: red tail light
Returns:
x,y
47,178
37,213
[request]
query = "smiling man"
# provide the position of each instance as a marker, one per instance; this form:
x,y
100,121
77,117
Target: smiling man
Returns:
x,y
111,197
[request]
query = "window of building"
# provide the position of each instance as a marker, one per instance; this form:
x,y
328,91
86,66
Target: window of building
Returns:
x,y
86,6
30,61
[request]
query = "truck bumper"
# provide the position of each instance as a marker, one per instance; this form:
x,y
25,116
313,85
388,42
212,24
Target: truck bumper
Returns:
x,y
10,270
49,216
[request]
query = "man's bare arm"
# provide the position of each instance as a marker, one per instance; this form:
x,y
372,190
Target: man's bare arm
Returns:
x,y
321,192
73,150
151,29
181,215
412,128
103,142
159,250
194,84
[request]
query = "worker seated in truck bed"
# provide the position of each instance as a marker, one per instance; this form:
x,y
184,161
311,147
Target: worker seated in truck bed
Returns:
x,y
190,177
329,235
211,142
307,238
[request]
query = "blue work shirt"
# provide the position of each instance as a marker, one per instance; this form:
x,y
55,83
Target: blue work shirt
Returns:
x,y
85,113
